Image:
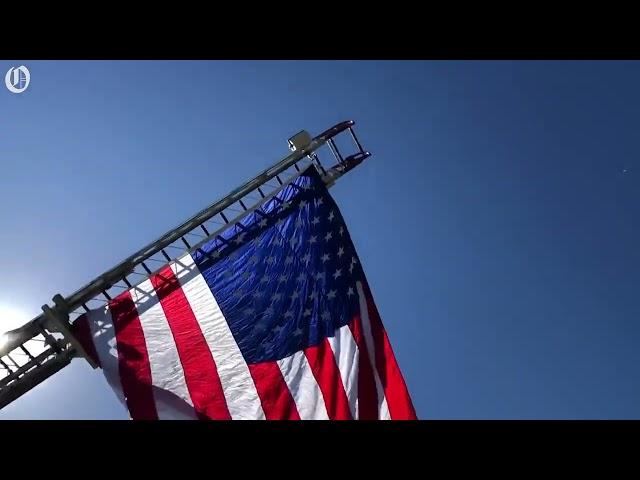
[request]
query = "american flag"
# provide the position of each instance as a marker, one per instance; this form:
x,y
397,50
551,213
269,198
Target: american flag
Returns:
x,y
271,319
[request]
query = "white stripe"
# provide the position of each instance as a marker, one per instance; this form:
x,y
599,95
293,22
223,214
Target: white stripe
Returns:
x,y
104,340
346,353
383,408
303,387
238,386
166,368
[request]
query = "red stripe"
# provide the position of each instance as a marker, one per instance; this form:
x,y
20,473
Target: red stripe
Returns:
x,y
325,370
199,367
367,393
395,389
133,358
82,332
277,401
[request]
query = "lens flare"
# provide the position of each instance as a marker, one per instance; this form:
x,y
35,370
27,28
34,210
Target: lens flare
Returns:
x,y
11,317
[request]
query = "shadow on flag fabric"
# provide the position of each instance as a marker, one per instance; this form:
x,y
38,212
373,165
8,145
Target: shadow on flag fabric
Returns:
x,y
272,319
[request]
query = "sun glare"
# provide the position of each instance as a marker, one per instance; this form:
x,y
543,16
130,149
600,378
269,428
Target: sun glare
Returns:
x,y
11,317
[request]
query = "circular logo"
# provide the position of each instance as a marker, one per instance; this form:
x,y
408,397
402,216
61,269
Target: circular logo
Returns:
x,y
17,79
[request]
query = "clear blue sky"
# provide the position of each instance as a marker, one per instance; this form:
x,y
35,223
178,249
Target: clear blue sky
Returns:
x,y
497,219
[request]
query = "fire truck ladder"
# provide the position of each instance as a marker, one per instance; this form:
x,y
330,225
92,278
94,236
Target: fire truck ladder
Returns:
x,y
40,348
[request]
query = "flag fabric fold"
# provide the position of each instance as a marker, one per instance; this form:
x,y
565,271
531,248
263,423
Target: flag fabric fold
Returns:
x,y
272,319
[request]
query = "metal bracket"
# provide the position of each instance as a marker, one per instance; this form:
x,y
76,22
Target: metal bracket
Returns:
x,y
58,317
299,141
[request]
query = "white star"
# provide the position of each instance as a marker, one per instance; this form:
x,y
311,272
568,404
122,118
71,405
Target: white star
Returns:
x,y
331,216
325,257
337,273
313,239
319,201
302,204
325,315
301,277
332,294
319,276
288,260
353,260
280,223
351,268
307,312
293,242
216,254
328,236
256,294
263,222
340,252
306,258
277,329
275,297
253,259
268,310
299,223
350,292
297,332
315,221
264,279
341,231
313,295
270,260
249,311
288,314
283,278
285,205
294,295
240,238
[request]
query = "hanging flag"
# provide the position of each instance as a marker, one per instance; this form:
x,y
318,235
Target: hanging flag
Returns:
x,y
271,319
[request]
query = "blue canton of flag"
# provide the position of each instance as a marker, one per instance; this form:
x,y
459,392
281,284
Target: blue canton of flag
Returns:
x,y
285,278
